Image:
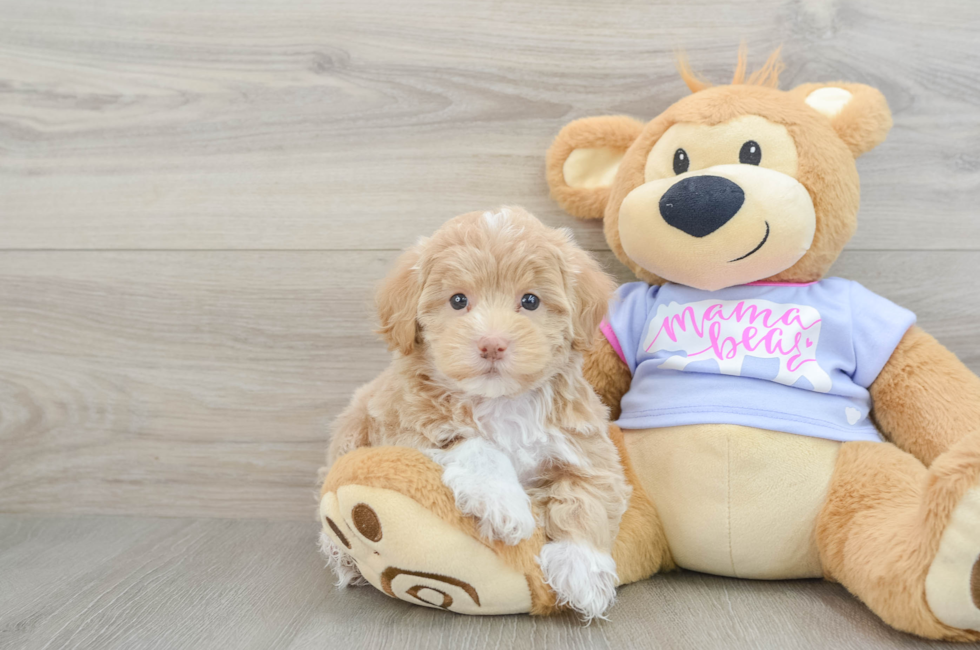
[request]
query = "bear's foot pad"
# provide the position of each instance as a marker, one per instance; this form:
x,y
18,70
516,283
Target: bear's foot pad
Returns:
x,y
953,581
410,553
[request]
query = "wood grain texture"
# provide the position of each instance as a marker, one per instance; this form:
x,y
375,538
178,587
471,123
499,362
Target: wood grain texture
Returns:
x,y
202,383
196,199
357,124
139,583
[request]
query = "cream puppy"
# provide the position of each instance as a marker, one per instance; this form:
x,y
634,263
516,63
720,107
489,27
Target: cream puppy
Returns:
x,y
488,319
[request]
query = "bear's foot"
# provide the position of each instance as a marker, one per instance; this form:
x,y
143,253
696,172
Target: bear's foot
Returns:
x,y
388,520
390,541
953,581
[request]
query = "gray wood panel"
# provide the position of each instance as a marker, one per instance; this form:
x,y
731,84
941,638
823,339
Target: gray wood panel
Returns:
x,y
139,583
362,123
196,199
202,383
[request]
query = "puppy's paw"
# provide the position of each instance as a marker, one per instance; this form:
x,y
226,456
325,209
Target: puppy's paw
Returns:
x,y
502,508
342,565
582,577
486,488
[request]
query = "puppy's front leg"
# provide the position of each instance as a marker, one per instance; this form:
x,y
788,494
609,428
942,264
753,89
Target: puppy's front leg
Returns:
x,y
577,563
486,487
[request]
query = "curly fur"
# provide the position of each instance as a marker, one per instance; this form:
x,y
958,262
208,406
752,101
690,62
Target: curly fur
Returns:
x,y
584,579
486,487
343,566
533,408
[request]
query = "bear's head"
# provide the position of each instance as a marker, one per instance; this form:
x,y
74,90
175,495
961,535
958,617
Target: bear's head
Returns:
x,y
731,184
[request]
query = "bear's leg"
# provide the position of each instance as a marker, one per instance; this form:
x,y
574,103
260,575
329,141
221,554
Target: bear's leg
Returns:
x,y
394,522
388,519
640,548
905,539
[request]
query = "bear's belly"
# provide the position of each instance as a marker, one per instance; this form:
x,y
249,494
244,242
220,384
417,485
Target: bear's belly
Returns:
x,y
736,501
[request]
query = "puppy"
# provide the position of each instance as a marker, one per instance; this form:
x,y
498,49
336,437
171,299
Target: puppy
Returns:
x,y
488,319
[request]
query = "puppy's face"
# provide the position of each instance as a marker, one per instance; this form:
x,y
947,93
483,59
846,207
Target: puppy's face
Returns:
x,y
499,302
496,322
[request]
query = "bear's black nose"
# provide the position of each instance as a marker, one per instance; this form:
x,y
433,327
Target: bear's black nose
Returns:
x,y
700,205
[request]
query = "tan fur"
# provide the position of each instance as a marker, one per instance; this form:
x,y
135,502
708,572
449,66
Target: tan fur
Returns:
x,y
925,399
641,546
865,120
826,169
612,131
640,549
694,82
880,527
418,399
397,303
607,373
426,398
826,149
888,504
413,474
767,75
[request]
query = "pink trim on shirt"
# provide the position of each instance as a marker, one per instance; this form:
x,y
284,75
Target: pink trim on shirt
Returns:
x,y
610,335
762,283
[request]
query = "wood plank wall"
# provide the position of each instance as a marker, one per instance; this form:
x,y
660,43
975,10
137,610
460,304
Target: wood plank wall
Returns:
x,y
196,200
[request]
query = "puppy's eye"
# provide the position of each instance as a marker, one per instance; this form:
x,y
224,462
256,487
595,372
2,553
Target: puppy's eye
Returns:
x,y
458,301
681,162
750,154
530,302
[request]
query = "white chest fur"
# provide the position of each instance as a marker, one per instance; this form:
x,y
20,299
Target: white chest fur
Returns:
x,y
519,427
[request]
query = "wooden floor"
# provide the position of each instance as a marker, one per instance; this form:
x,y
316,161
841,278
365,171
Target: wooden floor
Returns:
x,y
197,197
134,582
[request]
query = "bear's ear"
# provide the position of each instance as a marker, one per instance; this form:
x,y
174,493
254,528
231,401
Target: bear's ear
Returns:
x,y
858,113
583,161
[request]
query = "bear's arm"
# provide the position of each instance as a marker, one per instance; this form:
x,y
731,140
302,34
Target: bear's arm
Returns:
x,y
925,399
607,373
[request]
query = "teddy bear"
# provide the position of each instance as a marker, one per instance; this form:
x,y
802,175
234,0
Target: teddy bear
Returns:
x,y
774,423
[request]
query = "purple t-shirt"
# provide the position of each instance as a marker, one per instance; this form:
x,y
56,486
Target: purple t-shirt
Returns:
x,y
797,358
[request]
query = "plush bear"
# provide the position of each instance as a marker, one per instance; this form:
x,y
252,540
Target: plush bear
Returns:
x,y
773,423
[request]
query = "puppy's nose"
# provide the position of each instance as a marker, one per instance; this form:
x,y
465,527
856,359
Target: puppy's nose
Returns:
x,y
700,205
492,347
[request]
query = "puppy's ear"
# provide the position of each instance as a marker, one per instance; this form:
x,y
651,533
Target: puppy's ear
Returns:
x,y
397,301
589,290
858,113
583,161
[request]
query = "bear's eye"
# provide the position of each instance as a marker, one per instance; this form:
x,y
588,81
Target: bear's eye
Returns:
x,y
751,153
530,302
458,301
681,162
